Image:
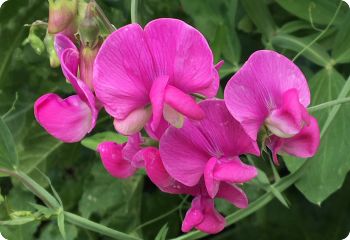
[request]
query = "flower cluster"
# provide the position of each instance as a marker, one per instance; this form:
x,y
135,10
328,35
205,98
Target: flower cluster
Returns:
x,y
149,79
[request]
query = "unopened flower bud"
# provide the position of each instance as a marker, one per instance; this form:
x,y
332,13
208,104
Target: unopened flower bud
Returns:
x,y
88,29
49,43
61,14
87,58
36,44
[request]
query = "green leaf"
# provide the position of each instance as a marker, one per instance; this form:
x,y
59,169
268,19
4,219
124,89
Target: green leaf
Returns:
x,y
45,211
17,221
321,10
60,223
37,146
103,192
93,141
330,165
13,15
8,153
341,46
259,13
314,53
162,233
51,232
216,20
18,200
264,183
294,26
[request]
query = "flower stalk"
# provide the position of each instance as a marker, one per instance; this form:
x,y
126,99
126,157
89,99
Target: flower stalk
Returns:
x,y
51,202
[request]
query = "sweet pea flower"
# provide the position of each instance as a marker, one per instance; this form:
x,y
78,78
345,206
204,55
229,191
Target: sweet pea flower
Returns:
x,y
270,91
143,75
202,215
202,159
122,160
72,118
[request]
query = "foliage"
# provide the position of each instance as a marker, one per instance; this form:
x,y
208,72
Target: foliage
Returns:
x,y
234,30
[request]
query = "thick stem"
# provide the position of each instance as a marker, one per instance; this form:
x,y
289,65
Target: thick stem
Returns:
x,y
134,11
51,202
96,227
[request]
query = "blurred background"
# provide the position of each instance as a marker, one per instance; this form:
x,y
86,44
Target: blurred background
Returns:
x,y
319,204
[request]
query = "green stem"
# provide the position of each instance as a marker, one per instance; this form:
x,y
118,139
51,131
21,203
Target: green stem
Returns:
x,y
321,34
96,227
51,202
328,104
103,18
163,215
134,11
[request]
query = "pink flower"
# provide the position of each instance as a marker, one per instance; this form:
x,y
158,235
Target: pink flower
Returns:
x,y
271,91
122,160
143,75
203,216
72,118
202,159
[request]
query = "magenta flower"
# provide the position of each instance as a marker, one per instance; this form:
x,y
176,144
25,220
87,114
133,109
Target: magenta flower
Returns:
x,y
271,91
72,118
203,156
143,75
202,215
122,160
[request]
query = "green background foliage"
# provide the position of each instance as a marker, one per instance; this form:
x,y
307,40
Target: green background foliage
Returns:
x,y
319,201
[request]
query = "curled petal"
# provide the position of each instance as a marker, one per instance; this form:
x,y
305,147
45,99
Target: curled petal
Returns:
x,y
62,43
290,118
233,194
185,151
304,144
113,161
203,216
211,183
69,63
219,65
226,170
157,99
233,171
158,133
160,177
67,119
183,103
134,122
258,87
132,146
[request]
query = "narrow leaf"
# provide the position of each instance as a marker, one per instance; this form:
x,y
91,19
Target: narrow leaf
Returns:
x,y
93,141
17,221
162,232
314,53
60,222
258,12
8,153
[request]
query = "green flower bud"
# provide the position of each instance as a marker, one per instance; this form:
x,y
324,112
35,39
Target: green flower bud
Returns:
x,y
50,49
89,30
61,14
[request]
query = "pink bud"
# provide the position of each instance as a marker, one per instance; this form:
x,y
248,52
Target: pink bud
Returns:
x,y
61,14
